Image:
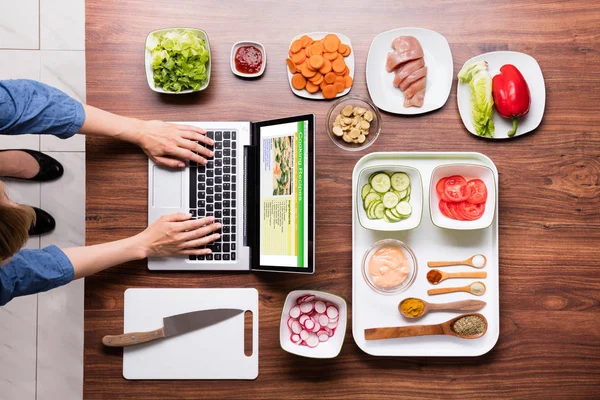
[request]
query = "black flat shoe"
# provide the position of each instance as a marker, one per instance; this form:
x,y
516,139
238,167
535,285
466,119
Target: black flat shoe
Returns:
x,y
50,169
44,223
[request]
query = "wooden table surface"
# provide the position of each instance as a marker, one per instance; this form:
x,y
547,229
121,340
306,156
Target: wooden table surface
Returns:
x,y
549,193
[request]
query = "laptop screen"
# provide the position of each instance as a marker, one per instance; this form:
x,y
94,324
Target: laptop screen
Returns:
x,y
285,189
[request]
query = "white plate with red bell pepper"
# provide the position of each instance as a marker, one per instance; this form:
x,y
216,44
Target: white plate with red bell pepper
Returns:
x,y
509,95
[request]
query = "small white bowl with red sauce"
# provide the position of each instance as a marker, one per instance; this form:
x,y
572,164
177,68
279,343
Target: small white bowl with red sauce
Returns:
x,y
248,59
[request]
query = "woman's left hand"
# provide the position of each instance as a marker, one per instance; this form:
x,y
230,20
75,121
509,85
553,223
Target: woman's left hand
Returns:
x,y
169,144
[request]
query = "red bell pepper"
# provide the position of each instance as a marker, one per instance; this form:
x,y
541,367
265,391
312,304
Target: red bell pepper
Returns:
x,y
511,94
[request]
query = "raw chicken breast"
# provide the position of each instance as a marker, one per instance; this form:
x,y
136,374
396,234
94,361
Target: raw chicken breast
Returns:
x,y
394,59
415,87
406,69
404,44
416,101
415,94
412,78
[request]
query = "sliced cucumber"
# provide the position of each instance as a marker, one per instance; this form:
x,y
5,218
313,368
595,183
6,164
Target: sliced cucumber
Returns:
x,y
400,181
390,199
404,208
395,213
390,216
365,191
386,219
402,194
371,209
370,198
381,182
378,211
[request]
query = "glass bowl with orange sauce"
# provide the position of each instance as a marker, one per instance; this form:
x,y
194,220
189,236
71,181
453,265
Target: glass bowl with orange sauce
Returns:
x,y
389,267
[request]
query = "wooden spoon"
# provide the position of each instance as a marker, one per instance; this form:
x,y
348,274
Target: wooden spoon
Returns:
x,y
445,328
436,276
463,305
474,261
467,288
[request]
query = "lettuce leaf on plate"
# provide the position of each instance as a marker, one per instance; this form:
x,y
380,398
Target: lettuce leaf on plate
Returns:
x,y
179,60
478,77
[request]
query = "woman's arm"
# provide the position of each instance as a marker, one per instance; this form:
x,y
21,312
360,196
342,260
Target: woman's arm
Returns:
x,y
166,144
175,234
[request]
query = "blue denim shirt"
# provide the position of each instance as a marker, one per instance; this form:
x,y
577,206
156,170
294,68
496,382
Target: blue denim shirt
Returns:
x,y
32,107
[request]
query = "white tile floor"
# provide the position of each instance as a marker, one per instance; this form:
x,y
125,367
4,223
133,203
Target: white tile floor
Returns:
x,y
41,336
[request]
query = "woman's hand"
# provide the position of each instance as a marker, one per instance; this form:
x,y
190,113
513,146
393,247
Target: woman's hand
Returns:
x,y
168,144
178,234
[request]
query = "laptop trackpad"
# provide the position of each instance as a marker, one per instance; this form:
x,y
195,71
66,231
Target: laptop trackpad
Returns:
x,y
167,188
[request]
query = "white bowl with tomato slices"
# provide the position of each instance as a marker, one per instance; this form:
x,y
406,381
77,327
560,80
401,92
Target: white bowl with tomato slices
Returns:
x,y
462,196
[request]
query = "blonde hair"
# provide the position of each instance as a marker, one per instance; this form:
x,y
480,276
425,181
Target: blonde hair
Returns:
x,y
15,221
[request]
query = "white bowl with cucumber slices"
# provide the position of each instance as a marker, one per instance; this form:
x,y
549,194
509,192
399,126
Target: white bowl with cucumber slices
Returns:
x,y
390,198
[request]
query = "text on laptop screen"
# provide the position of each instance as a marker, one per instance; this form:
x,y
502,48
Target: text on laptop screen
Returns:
x,y
284,195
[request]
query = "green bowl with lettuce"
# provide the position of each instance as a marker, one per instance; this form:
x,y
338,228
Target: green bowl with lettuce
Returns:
x,y
178,60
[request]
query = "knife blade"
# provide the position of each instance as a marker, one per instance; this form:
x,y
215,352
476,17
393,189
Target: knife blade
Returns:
x,y
173,325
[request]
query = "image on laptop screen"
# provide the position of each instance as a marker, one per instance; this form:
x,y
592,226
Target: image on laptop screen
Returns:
x,y
284,195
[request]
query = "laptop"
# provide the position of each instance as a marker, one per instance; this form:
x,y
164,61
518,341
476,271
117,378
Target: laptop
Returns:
x,y
260,185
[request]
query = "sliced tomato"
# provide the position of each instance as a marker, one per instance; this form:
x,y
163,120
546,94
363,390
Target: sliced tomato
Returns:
x,y
455,211
471,211
456,189
444,208
478,191
439,188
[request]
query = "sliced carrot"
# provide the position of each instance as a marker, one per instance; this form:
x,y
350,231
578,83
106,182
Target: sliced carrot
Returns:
x,y
342,48
290,53
291,65
329,92
333,38
316,77
330,44
323,84
307,72
298,58
348,81
330,56
316,61
316,48
347,52
318,80
338,65
307,50
298,81
305,40
344,72
339,79
340,87
330,77
311,87
326,66
296,46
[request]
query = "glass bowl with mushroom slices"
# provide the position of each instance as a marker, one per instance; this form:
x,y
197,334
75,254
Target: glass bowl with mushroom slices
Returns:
x,y
353,123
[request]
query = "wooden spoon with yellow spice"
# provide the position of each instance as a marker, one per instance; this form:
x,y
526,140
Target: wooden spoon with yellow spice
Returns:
x,y
413,307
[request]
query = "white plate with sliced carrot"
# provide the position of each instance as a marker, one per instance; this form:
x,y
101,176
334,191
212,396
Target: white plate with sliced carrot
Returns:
x,y
320,65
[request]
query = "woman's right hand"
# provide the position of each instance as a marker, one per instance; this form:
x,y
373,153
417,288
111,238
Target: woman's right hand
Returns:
x,y
178,234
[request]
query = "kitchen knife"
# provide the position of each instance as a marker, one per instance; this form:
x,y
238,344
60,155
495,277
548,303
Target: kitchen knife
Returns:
x,y
173,325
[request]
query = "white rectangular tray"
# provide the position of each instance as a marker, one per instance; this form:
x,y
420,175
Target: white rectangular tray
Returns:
x,y
429,243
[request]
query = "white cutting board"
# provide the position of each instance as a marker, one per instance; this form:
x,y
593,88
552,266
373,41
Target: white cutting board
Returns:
x,y
214,352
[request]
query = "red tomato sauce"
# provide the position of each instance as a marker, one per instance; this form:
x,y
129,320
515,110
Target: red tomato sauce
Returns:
x,y
248,59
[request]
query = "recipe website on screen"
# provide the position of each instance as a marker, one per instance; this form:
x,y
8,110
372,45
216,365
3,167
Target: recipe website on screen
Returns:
x,y
284,195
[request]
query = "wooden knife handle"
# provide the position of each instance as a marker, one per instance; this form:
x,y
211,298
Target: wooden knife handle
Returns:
x,y
466,274
463,305
130,339
402,331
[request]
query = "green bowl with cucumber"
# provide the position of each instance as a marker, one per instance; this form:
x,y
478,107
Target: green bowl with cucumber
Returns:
x,y
390,198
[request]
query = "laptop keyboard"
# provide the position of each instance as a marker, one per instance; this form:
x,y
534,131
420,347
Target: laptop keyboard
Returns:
x,y
213,193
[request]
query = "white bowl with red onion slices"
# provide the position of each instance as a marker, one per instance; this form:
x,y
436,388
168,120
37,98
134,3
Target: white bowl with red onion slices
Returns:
x,y
313,324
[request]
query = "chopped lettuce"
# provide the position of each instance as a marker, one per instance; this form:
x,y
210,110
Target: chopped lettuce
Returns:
x,y
179,60
482,103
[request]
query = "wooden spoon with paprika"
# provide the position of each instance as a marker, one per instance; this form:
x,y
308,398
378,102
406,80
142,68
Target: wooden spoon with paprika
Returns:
x,y
436,276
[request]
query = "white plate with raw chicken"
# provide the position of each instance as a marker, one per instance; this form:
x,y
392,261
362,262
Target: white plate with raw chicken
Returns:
x,y
419,65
